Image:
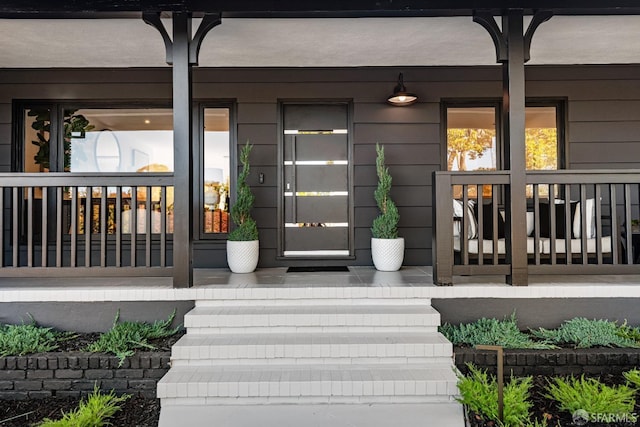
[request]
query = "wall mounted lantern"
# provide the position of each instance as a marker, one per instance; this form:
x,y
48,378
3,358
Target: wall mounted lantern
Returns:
x,y
400,96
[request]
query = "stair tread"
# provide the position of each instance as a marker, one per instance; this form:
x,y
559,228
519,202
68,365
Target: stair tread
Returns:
x,y
305,373
441,414
313,309
312,338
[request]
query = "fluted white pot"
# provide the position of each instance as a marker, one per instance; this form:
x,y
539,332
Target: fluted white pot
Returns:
x,y
242,256
387,254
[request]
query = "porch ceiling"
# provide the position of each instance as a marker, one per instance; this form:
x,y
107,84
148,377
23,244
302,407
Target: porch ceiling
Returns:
x,y
314,42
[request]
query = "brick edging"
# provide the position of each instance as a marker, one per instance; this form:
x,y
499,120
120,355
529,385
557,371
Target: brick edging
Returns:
x,y
562,361
75,374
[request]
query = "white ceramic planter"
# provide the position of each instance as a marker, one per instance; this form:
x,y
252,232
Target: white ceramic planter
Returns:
x,y
242,256
387,254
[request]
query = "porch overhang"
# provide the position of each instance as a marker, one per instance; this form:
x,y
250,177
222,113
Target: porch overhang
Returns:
x,y
330,8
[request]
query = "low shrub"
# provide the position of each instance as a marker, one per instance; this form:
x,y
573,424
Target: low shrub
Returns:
x,y
590,395
585,333
18,340
633,377
92,412
479,392
125,337
629,332
491,332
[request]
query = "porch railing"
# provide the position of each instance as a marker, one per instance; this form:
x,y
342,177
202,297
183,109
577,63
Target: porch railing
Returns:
x,y
578,222
73,224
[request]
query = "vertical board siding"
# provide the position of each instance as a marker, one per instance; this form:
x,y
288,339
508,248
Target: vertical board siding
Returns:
x,y
603,128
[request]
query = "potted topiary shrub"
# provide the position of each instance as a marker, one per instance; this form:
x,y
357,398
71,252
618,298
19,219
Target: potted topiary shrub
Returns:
x,y
387,249
243,246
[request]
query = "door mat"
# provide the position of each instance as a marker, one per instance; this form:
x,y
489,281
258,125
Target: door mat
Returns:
x,y
318,269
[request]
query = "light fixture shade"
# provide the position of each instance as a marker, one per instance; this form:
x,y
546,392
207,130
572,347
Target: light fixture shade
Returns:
x,y
400,96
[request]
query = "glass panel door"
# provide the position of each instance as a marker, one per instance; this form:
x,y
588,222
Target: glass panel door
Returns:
x,y
316,181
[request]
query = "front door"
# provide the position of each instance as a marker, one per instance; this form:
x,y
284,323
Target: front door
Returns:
x,y
316,187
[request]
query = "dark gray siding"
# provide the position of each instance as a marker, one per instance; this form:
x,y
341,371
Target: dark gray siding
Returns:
x,y
603,112
603,127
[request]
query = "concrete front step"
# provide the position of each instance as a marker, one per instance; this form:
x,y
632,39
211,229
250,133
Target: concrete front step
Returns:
x,y
307,384
279,318
312,348
344,415
313,301
210,296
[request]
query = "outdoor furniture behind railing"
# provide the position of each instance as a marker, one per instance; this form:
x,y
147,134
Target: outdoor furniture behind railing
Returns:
x,y
67,223
558,240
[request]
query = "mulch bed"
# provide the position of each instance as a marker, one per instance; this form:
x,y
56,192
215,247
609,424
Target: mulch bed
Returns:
x,y
137,411
80,341
545,408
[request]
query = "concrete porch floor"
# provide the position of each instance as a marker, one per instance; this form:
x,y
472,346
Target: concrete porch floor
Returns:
x,y
546,302
208,281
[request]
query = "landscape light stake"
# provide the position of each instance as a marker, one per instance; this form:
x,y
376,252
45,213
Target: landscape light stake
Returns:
x,y
500,365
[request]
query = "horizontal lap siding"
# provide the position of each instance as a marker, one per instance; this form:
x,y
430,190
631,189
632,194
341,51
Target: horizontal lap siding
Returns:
x,y
411,138
603,127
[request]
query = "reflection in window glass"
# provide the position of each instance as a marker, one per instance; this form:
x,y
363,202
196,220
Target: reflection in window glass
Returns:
x,y
471,139
37,123
216,169
541,142
541,138
119,140
471,143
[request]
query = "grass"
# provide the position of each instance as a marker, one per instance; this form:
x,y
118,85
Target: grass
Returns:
x,y
18,340
479,391
491,332
92,412
591,395
125,337
585,333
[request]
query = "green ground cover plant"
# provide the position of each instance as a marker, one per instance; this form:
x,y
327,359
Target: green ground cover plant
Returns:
x,y
629,332
125,337
479,392
633,377
18,340
95,411
584,333
591,395
492,332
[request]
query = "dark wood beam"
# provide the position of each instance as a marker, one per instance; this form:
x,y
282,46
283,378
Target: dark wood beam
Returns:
x,y
514,133
83,8
182,153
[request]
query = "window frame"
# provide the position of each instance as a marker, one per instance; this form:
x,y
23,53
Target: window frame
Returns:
x,y
560,105
58,107
198,154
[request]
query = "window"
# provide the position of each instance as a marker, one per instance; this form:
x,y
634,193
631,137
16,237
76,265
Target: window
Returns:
x,y
98,139
215,171
541,138
60,138
92,138
474,143
471,138
474,140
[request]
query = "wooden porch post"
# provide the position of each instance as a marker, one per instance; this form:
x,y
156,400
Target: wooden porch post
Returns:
x,y
513,119
182,53
512,50
182,153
